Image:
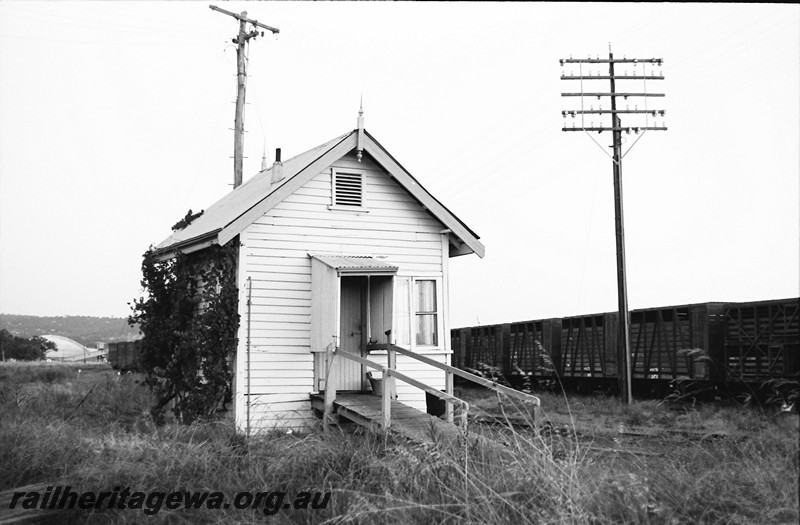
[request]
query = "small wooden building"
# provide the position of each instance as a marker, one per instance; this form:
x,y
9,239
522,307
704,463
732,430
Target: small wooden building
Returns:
x,y
338,245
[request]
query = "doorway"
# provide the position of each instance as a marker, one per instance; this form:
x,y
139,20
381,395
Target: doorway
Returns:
x,y
353,331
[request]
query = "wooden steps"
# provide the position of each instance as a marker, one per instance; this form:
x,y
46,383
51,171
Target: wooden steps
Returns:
x,y
365,409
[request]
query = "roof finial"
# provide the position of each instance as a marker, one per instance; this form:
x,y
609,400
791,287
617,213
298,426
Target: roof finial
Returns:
x,y
264,165
361,113
360,144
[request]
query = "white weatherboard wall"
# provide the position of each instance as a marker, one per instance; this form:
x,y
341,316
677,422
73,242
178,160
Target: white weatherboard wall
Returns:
x,y
274,254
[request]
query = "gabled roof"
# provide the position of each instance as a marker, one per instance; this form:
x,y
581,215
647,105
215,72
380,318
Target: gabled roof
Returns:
x,y
229,216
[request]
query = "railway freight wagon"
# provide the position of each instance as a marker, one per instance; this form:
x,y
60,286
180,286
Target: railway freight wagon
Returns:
x,y
665,344
761,342
735,346
124,356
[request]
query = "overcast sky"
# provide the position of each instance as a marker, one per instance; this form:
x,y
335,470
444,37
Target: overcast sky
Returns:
x,y
115,117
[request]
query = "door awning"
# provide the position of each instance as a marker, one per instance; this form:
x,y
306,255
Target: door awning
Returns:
x,y
356,264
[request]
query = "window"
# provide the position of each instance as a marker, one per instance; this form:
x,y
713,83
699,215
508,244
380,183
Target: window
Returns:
x,y
416,316
425,312
348,189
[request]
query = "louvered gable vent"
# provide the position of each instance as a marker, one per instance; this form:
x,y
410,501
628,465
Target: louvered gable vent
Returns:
x,y
348,189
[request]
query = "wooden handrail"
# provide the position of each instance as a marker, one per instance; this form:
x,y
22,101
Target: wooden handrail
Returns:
x,y
388,374
510,392
402,377
357,358
422,386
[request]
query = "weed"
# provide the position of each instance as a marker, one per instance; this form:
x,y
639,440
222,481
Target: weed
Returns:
x,y
578,469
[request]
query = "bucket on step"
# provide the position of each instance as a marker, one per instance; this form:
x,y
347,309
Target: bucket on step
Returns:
x,y
376,382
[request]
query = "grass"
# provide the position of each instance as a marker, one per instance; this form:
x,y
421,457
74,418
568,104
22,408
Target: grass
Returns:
x,y
702,464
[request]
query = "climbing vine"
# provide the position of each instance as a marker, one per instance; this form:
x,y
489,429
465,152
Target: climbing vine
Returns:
x,y
189,319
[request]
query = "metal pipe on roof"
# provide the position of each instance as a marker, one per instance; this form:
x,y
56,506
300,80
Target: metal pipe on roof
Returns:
x,y
277,167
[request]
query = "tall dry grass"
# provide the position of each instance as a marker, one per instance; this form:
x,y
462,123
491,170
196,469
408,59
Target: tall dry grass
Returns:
x,y
91,430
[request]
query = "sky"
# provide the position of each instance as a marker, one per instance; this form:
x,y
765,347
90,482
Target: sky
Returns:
x,y
116,117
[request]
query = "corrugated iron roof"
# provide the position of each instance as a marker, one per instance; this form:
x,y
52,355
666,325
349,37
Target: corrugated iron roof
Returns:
x,y
355,264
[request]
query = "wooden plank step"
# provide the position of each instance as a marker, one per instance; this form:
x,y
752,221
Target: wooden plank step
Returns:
x,y
408,422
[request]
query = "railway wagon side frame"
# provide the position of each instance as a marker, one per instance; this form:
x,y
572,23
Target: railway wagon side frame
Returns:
x,y
724,345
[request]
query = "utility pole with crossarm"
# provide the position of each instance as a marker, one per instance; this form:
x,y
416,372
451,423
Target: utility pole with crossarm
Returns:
x,y
241,73
640,127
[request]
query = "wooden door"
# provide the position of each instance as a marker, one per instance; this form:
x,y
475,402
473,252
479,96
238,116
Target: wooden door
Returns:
x,y
352,331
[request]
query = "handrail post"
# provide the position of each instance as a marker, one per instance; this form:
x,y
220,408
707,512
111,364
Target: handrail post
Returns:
x,y
386,400
537,418
391,363
448,389
330,385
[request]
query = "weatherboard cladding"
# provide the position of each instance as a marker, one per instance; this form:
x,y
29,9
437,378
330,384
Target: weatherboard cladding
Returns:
x,y
395,229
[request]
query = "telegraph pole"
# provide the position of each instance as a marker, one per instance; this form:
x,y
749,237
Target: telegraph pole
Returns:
x,y
241,73
616,128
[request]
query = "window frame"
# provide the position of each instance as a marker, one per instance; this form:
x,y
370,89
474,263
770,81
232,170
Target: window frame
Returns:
x,y
411,335
424,313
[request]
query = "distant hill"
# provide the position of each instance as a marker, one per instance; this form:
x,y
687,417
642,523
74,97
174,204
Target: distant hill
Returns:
x,y
84,329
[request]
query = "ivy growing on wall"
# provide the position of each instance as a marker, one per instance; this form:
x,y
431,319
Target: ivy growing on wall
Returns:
x,y
189,319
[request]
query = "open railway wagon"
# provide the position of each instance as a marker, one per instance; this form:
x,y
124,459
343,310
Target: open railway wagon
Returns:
x,y
124,356
734,347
